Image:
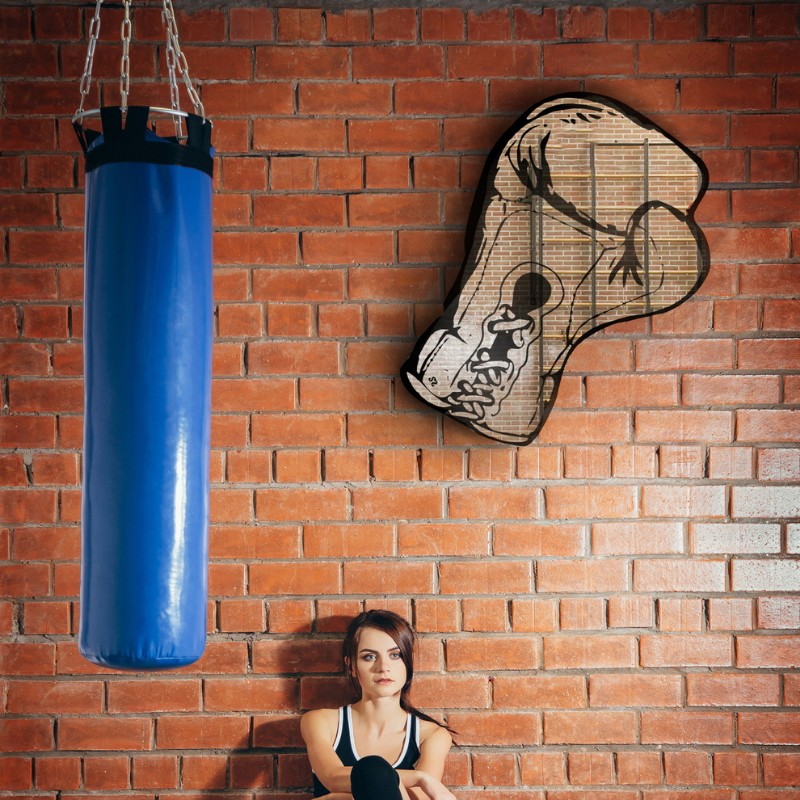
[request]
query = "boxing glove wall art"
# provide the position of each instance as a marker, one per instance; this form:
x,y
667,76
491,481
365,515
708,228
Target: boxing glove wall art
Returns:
x,y
584,216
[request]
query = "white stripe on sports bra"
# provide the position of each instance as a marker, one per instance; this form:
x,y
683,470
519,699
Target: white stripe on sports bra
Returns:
x,y
353,738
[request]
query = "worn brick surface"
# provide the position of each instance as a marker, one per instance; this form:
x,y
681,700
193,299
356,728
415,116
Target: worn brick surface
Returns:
x,y
610,612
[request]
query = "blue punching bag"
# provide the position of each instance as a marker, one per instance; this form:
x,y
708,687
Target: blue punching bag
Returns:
x,y
147,343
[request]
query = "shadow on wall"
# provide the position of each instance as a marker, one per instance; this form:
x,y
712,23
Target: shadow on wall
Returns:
x,y
277,757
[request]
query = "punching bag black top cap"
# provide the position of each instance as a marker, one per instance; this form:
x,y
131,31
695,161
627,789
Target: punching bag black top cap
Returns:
x,y
148,316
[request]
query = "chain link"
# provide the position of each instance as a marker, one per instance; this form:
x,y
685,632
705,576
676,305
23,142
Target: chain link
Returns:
x,y
94,35
125,61
177,66
180,65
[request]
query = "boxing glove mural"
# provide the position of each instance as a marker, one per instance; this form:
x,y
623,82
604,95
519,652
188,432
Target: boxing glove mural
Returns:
x,y
584,216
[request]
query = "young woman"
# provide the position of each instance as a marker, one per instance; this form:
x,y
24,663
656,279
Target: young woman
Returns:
x,y
380,747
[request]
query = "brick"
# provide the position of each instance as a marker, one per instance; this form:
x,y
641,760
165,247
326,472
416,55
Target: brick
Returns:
x,y
496,728
725,21
498,60
534,616
362,578
347,541
347,25
132,696
26,735
781,769
47,618
394,24
448,539
390,430
543,768
637,538
752,356
634,690
769,280
736,768
200,732
440,97
106,772
765,501
764,425
728,390
683,461
734,538
582,427
781,315
255,247
493,769
778,612
509,577
531,539
241,615
442,24
764,130
583,22
495,503
687,727
539,691
730,614
585,575
484,614
628,23
630,612
290,616
767,651
630,461
677,23
491,25
398,62
591,769
293,578
75,733
436,615
764,727
292,172
253,694
57,773
687,767
683,501
589,727
54,697
299,135
250,24
589,651
730,689
589,502
578,60
494,652
680,614
155,771
702,94
587,462
631,391
678,575
582,613
638,767
686,649
297,466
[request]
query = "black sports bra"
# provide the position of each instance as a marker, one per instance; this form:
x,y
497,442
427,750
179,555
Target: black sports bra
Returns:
x,y
345,746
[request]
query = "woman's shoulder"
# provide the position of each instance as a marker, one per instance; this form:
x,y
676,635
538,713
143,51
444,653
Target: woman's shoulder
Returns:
x,y
320,721
431,732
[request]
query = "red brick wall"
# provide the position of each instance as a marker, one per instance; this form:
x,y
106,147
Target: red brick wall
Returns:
x,y
611,612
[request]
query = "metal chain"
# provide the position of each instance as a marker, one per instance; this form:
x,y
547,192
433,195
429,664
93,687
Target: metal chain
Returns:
x,y
94,35
125,61
180,65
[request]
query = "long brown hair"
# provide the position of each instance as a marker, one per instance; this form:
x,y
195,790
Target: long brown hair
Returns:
x,y
403,636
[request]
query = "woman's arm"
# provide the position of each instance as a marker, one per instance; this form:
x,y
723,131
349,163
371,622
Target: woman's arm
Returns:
x,y
425,781
318,729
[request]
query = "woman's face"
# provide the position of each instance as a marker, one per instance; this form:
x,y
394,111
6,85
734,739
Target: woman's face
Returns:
x,y
379,665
